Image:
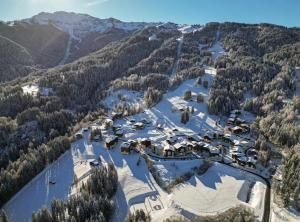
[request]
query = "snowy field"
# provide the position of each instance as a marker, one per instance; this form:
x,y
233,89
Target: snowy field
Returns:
x,y
170,170
130,97
220,188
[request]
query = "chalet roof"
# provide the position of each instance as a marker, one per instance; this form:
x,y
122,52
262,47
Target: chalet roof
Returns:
x,y
132,141
230,119
213,150
168,147
78,134
117,113
179,145
139,124
243,159
94,162
108,120
241,143
238,149
236,128
110,139
172,138
125,145
145,140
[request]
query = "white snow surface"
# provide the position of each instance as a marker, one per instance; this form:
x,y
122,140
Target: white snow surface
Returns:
x,y
34,89
129,97
217,50
215,191
30,89
189,28
170,170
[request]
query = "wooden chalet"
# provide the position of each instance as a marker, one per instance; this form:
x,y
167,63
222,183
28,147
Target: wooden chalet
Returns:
x,y
139,125
126,147
180,149
168,150
111,141
145,142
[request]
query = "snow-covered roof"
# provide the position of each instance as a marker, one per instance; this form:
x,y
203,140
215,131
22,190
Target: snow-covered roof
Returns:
x,y
125,145
238,149
94,162
213,150
110,139
236,128
243,143
179,145
168,147
139,124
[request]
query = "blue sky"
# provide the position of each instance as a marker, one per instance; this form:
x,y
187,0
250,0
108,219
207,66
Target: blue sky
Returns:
x,y
282,12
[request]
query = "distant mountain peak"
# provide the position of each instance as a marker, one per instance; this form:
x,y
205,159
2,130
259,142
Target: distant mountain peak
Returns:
x,y
78,25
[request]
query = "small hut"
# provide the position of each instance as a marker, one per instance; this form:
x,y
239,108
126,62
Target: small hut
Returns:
x,y
168,150
145,142
126,147
237,130
94,163
111,141
180,149
139,125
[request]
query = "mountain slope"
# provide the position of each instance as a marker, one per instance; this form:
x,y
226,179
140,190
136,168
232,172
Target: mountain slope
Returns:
x,y
58,38
86,33
15,60
45,43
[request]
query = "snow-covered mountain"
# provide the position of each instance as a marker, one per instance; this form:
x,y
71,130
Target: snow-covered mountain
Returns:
x,y
79,25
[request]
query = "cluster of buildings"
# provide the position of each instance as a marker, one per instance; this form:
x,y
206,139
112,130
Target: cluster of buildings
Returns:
x,y
176,144
236,124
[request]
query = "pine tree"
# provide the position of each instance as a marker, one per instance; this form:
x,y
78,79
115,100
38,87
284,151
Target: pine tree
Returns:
x,y
187,95
193,110
200,98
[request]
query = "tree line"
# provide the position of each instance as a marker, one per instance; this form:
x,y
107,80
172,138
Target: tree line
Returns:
x,y
91,203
